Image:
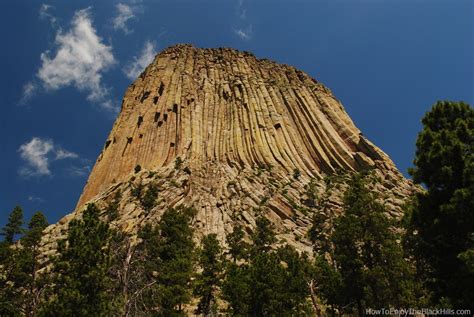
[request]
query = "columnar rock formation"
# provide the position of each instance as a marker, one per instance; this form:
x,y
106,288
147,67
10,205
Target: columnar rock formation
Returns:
x,y
241,126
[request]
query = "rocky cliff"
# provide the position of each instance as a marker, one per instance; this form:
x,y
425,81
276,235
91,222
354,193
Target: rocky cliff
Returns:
x,y
224,131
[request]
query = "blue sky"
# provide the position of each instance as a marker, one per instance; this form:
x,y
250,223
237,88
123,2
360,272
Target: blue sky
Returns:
x,y
66,64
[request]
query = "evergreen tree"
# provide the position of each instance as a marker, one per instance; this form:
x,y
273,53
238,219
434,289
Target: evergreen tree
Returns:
x,y
366,254
323,214
263,237
8,289
236,284
168,263
443,219
175,250
27,263
328,282
13,226
149,199
296,270
207,282
112,209
236,289
238,249
81,282
146,297
272,283
267,289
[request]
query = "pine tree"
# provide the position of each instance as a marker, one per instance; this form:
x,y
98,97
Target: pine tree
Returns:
x,y
296,270
27,264
443,218
112,209
367,257
267,278
272,283
207,282
167,263
327,283
13,226
238,248
176,258
149,199
263,237
278,285
81,282
146,297
8,290
236,288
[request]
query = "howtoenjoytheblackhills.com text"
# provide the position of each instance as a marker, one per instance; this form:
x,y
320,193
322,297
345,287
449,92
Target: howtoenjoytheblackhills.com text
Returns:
x,y
418,311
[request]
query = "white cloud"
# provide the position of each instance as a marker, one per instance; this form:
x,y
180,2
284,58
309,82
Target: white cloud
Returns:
x,y
244,34
38,154
135,67
245,29
35,154
80,60
111,106
125,13
241,10
45,14
29,90
35,199
78,171
64,154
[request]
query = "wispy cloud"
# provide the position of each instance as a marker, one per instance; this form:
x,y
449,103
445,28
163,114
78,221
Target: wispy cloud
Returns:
x,y
138,64
35,199
34,153
244,29
64,154
241,10
244,34
125,13
78,171
29,90
80,59
45,14
38,154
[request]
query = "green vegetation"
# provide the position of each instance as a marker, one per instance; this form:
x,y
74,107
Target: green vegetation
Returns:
x,y
366,261
208,281
20,283
138,168
271,283
137,191
178,162
13,226
362,258
296,174
80,280
112,209
237,246
175,251
164,268
443,216
149,199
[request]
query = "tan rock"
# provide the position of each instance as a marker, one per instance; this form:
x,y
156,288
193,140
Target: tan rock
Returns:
x,y
241,125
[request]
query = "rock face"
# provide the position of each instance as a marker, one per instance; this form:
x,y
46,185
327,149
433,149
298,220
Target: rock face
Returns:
x,y
241,126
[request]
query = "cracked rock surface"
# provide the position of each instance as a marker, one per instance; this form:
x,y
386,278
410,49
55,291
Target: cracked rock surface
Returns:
x,y
241,126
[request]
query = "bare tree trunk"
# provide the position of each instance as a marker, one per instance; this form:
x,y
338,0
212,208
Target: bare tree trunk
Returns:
x,y
314,298
127,263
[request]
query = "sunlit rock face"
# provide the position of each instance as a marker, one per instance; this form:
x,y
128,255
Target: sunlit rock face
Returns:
x,y
241,127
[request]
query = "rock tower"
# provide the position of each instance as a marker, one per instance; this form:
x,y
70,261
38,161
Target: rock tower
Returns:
x,y
225,132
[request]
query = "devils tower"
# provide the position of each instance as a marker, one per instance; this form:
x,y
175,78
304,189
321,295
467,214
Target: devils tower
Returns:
x,y
235,137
